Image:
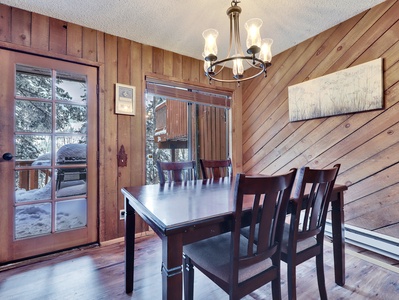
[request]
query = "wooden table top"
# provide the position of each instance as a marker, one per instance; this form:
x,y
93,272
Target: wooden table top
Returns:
x,y
173,205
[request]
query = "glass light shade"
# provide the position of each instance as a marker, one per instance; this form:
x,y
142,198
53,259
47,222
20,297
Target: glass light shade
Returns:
x,y
266,51
210,36
238,67
253,32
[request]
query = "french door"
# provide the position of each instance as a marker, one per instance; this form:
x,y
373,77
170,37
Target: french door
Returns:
x,y
48,180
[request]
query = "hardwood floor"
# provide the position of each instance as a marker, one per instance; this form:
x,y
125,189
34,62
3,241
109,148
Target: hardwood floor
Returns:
x,y
98,273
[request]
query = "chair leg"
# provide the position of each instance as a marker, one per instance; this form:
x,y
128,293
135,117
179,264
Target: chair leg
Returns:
x,y
291,280
276,289
276,283
320,276
234,297
188,275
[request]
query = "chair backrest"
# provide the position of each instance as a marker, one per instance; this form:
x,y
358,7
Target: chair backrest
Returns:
x,y
177,171
267,197
215,168
312,197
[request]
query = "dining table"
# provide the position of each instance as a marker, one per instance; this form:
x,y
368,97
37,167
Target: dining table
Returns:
x,y
185,212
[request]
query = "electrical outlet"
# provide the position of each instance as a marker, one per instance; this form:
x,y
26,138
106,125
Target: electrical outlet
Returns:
x,y
122,214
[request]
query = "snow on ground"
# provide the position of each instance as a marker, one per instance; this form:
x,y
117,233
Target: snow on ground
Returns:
x,y
35,219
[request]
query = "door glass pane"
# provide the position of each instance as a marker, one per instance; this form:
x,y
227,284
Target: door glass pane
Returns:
x,y
71,118
71,182
167,134
33,82
33,116
71,214
71,87
30,148
32,220
71,149
32,184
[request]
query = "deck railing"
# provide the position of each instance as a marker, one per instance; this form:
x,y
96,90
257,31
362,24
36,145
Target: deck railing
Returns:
x,y
28,179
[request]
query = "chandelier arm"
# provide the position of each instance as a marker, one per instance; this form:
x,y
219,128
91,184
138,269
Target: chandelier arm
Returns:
x,y
231,35
250,62
235,80
262,69
262,64
238,47
215,73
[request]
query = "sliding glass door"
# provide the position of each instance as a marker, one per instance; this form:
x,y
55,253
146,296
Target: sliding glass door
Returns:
x,y
179,130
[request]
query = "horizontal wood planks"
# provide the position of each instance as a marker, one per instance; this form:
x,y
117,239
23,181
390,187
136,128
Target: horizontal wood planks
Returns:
x,y
366,144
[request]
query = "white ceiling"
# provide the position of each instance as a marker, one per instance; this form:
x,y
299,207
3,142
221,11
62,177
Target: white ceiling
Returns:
x,y
177,25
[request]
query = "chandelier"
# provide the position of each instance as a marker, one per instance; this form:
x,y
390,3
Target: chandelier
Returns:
x,y
258,50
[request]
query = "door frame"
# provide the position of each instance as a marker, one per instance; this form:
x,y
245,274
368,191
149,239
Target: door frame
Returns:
x,y
7,138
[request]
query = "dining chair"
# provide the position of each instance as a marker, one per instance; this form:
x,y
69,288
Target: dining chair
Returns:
x,y
215,168
177,171
303,236
236,264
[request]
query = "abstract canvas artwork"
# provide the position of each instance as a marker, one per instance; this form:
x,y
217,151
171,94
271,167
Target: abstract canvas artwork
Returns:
x,y
359,88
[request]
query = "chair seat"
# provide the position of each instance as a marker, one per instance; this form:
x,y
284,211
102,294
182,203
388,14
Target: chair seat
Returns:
x,y
301,245
213,255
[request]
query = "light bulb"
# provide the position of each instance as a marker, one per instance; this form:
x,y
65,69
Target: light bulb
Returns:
x,y
238,67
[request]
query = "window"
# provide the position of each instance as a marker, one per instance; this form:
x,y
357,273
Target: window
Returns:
x,y
192,124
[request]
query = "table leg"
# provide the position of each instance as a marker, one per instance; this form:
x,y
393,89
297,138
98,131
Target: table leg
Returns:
x,y
172,255
338,232
129,246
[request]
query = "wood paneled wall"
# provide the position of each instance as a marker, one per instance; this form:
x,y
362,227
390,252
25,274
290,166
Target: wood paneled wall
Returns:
x,y
119,61
366,144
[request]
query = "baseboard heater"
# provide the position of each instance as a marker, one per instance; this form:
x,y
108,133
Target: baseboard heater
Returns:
x,y
369,240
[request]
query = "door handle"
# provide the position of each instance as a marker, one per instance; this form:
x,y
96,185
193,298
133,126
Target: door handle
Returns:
x,y
7,156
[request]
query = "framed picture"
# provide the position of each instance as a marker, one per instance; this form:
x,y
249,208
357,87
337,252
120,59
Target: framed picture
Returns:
x,y
355,89
125,99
